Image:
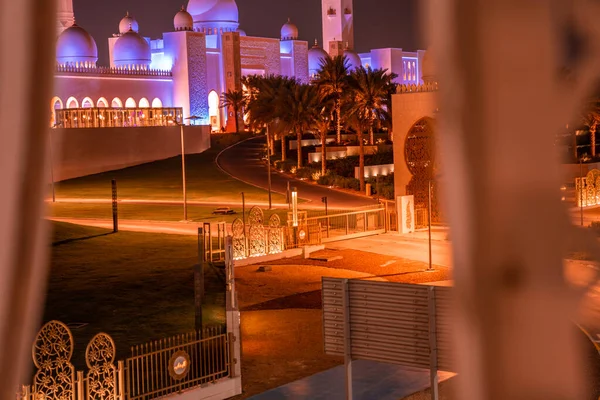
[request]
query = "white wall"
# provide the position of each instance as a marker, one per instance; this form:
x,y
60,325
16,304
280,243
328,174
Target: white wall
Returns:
x,y
84,151
375,170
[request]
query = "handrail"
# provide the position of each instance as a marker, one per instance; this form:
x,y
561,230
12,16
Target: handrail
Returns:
x,y
132,71
350,213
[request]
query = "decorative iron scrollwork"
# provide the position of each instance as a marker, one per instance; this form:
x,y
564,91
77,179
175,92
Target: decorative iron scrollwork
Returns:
x,y
239,239
52,351
275,235
256,234
419,153
101,377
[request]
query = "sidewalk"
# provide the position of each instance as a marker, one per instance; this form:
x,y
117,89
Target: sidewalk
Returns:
x,y
371,380
178,228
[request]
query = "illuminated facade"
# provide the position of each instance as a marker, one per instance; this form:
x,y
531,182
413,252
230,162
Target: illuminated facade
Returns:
x,y
205,55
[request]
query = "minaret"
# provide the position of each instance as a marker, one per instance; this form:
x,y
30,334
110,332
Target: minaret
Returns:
x,y
338,24
64,15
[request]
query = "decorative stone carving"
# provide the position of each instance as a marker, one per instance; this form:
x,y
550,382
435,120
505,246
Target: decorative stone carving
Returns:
x,y
196,51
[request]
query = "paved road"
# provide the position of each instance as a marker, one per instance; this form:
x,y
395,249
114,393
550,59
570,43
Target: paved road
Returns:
x,y
242,161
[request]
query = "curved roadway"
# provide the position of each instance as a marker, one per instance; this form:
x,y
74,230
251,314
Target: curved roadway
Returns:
x,y
243,162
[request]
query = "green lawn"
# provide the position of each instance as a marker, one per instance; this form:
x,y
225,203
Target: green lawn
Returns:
x,y
134,286
153,212
162,180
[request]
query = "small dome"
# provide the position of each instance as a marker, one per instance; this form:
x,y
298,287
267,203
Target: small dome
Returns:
x,y
289,31
428,68
183,21
242,32
128,22
75,45
131,49
353,59
316,55
210,14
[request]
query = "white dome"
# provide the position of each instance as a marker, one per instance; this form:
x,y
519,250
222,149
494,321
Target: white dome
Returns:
x,y
220,14
183,21
75,45
128,22
353,59
131,50
315,57
289,31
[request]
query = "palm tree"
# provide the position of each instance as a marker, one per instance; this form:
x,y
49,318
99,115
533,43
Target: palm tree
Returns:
x,y
371,91
332,81
263,95
234,99
322,125
356,122
298,108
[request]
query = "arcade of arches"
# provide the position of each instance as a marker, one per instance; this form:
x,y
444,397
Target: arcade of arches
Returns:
x,y
73,103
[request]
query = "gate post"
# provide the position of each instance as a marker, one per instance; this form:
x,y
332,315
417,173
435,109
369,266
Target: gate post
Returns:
x,y
121,380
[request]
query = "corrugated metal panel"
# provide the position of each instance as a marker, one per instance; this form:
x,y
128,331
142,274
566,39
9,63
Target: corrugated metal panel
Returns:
x,y
389,322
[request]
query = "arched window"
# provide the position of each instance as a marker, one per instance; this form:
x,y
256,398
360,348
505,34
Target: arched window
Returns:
x,y
72,103
116,103
130,103
144,103
102,103
87,103
213,111
55,104
157,103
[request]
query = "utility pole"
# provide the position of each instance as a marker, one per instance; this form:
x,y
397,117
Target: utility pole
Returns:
x,y
244,210
269,165
430,267
581,190
183,173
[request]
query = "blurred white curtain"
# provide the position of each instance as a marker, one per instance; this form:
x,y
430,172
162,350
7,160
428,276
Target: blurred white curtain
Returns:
x,y
27,35
501,102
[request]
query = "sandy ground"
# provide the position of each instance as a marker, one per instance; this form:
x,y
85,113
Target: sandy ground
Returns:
x,y
281,312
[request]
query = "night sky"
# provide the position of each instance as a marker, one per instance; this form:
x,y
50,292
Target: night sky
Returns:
x,y
377,24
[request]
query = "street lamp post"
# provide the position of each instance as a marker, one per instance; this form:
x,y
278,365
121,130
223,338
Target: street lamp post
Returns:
x,y
269,164
430,267
183,173
581,190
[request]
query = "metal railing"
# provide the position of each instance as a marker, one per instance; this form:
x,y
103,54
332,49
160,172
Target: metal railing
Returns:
x,y
151,371
155,369
356,223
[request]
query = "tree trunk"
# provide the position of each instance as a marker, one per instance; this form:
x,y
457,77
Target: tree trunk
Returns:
x,y
299,137
371,135
283,152
361,161
237,122
593,139
323,153
338,112
575,145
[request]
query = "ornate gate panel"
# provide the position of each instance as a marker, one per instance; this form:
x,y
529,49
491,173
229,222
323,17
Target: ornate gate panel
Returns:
x,y
102,374
239,239
256,234
275,235
52,351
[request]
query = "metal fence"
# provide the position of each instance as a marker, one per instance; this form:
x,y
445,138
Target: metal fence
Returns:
x,y
351,224
170,365
155,369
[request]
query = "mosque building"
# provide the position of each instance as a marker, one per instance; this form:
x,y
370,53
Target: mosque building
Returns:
x,y
178,79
